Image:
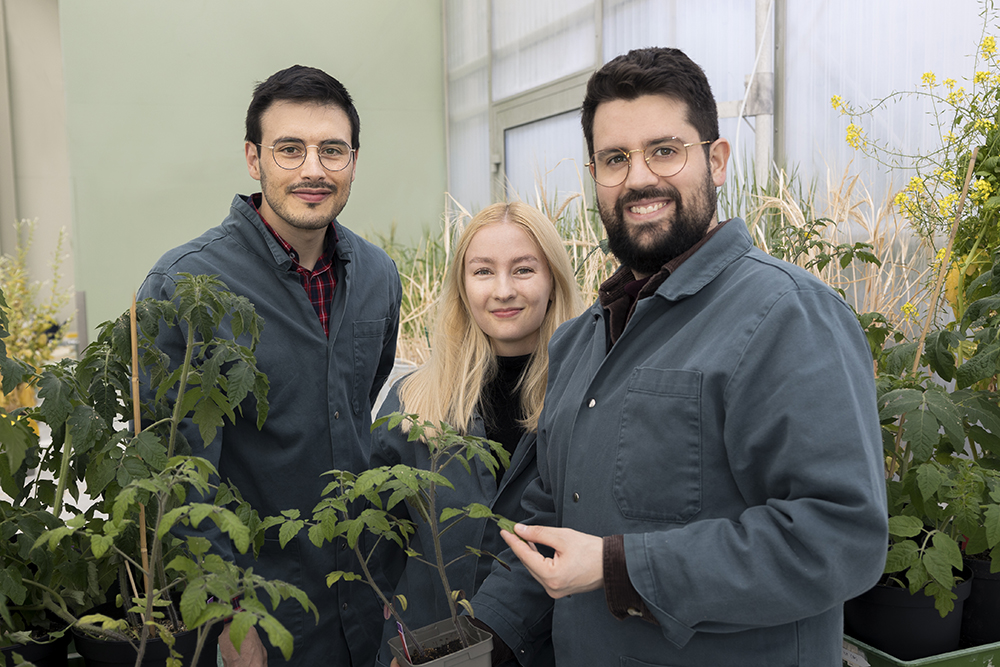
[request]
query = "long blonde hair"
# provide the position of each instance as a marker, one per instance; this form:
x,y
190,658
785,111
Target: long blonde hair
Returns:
x,y
447,388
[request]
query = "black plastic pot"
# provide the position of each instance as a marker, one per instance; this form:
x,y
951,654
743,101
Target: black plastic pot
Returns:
x,y
52,654
981,614
905,626
104,653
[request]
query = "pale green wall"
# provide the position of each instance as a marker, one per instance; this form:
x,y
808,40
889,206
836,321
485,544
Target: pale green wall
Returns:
x,y
156,100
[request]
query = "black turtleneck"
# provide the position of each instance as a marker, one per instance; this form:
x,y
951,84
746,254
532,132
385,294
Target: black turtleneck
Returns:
x,y
500,404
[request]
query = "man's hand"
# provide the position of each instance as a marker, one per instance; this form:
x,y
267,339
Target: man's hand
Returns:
x,y
251,653
576,567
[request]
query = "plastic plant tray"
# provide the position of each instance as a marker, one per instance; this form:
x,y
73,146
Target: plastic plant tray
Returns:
x,y
858,654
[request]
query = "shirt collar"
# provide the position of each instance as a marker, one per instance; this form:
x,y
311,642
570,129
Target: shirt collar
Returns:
x,y
331,238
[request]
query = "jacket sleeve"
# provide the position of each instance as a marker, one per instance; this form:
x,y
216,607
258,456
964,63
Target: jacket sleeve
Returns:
x,y
802,437
171,341
388,356
510,602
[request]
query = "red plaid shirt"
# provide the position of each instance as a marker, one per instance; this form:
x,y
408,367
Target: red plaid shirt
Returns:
x,y
318,283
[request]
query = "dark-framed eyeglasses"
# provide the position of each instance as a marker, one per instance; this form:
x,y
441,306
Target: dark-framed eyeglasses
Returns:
x,y
665,158
334,156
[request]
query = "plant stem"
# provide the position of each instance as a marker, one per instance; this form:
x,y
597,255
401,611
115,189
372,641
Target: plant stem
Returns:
x,y
175,420
439,560
63,471
385,602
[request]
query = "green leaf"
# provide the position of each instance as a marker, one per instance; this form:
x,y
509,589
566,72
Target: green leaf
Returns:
x,y
920,430
898,402
929,480
940,405
208,417
901,556
943,559
991,520
448,513
148,446
240,625
905,526
15,439
289,530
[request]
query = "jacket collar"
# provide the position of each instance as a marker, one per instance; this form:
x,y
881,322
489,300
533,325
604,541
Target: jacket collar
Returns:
x,y
264,243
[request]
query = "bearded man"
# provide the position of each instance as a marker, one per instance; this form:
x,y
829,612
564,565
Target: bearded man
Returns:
x,y
709,452
330,303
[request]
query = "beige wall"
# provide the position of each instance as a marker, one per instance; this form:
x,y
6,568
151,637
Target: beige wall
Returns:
x,y
35,172
156,95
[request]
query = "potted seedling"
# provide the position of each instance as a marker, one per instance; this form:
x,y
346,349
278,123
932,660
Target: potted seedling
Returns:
x,y
146,482
359,507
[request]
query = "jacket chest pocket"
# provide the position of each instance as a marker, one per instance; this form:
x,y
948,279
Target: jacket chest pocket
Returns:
x,y
658,466
368,336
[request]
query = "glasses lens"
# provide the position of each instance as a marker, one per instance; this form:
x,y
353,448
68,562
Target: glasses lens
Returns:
x,y
335,157
292,154
666,158
289,154
610,167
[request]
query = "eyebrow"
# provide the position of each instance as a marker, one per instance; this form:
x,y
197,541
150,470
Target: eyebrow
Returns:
x,y
489,260
648,143
327,142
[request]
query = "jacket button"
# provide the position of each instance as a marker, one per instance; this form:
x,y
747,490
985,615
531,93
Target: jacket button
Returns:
x,y
336,415
576,497
344,606
592,403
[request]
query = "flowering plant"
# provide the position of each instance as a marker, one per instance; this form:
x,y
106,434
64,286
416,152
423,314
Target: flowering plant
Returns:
x,y
937,393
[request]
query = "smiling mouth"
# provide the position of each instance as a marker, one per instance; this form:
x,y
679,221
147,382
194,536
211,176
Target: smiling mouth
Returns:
x,y
508,312
643,210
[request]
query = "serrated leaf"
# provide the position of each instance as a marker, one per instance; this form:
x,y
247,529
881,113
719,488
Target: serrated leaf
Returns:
x,y
943,559
904,526
991,521
901,556
920,431
288,531
898,402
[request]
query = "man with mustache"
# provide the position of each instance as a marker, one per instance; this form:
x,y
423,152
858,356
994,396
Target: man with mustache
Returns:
x,y
709,452
330,303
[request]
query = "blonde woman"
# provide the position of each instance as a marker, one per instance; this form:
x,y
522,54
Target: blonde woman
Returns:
x,y
510,285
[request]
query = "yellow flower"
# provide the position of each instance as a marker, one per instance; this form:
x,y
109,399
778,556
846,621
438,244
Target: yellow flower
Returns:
x,y
981,77
950,83
946,203
983,125
981,190
910,311
929,79
949,137
916,184
837,102
956,96
854,138
989,46
901,199
939,257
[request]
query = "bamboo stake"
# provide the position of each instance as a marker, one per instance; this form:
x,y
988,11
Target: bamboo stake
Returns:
x,y
935,297
939,283
134,335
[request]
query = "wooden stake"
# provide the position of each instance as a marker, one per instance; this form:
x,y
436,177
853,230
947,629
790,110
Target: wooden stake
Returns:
x,y
932,311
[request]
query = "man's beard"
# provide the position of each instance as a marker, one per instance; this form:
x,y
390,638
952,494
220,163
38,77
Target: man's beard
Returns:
x,y
646,248
281,204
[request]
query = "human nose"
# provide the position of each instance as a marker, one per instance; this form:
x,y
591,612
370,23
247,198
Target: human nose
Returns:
x,y
311,166
503,288
639,174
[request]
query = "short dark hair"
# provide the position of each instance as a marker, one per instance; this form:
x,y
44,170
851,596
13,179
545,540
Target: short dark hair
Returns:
x,y
653,71
300,84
